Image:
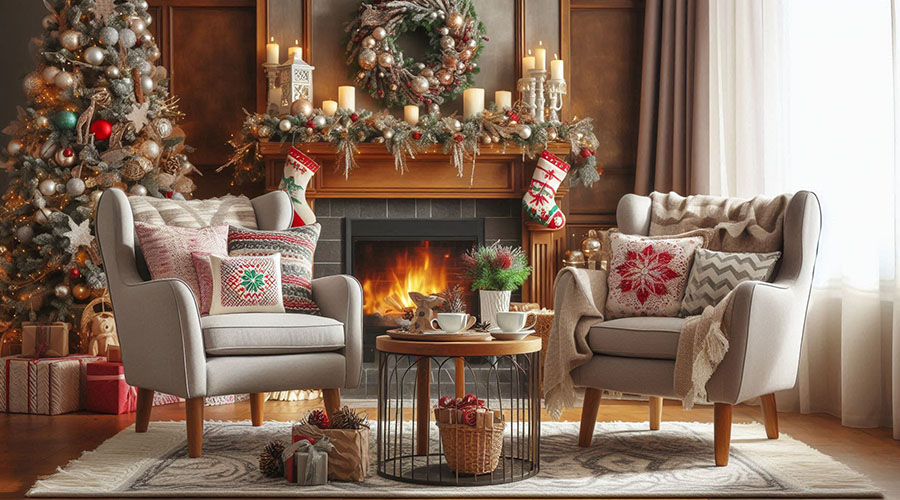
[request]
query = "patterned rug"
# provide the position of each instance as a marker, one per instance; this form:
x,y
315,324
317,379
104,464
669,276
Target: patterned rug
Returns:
x,y
625,460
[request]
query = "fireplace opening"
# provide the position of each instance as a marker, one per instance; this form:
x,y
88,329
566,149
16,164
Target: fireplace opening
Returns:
x,y
392,257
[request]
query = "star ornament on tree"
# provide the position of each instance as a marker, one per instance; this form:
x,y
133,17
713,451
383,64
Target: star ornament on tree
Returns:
x,y
138,115
79,235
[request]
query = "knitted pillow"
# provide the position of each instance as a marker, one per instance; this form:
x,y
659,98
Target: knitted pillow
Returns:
x,y
193,213
204,278
246,284
168,249
647,276
714,274
296,246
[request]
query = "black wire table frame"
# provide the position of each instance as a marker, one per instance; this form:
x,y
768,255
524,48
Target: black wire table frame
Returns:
x,y
409,447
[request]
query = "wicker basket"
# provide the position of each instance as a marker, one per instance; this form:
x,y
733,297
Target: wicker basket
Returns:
x,y
472,450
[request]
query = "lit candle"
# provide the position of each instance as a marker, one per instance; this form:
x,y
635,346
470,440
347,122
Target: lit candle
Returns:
x,y
540,57
296,51
273,52
329,107
411,114
527,63
473,102
347,97
557,68
503,99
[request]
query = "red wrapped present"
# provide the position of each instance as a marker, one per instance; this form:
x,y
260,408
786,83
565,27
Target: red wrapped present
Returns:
x,y
45,386
107,391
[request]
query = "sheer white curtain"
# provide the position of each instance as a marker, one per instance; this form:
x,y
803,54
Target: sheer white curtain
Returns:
x,y
803,94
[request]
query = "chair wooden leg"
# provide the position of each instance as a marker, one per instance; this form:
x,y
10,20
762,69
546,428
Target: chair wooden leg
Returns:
x,y
722,431
656,407
194,410
144,405
256,408
770,415
589,416
332,399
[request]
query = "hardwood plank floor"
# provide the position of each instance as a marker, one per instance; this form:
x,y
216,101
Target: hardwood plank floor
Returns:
x,y
32,445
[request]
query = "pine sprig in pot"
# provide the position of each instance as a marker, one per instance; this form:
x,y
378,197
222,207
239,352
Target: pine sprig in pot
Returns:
x,y
496,267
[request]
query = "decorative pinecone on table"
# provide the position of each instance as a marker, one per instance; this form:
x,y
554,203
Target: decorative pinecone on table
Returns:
x,y
318,418
270,462
455,299
345,418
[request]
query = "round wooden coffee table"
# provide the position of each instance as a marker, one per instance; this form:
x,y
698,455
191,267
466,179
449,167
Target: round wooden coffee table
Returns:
x,y
414,374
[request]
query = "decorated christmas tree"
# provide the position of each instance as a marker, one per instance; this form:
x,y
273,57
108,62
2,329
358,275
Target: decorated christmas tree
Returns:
x,y
98,116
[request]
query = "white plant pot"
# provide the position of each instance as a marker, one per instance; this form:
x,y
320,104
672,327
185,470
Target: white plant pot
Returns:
x,y
492,302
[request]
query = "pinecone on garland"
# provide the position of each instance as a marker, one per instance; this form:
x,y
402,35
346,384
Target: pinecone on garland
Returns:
x,y
318,418
270,462
345,418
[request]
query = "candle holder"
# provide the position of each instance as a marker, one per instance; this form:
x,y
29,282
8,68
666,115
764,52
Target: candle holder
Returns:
x,y
556,87
271,70
295,79
535,91
526,87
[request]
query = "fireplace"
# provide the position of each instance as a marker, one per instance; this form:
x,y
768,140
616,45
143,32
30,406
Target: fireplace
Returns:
x,y
392,257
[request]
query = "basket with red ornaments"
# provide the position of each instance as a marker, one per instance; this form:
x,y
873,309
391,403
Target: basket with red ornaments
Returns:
x,y
471,434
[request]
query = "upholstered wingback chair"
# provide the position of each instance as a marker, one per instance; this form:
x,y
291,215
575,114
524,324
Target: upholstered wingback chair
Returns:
x,y
637,355
167,346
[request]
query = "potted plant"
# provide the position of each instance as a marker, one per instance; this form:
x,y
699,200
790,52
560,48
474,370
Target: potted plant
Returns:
x,y
495,271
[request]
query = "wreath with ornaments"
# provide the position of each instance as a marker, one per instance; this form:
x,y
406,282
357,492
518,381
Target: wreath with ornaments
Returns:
x,y
455,35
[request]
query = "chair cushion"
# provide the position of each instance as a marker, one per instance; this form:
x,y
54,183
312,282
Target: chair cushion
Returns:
x,y
193,213
643,337
270,333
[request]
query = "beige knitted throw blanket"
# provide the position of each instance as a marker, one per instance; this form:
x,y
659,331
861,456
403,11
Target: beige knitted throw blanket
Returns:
x,y
733,225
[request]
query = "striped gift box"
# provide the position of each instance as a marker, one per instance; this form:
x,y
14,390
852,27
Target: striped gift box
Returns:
x,y
45,386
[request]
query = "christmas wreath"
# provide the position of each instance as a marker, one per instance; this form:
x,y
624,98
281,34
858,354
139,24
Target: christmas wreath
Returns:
x,y
455,38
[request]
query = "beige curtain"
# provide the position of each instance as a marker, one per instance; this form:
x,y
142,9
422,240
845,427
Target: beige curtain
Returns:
x,y
673,130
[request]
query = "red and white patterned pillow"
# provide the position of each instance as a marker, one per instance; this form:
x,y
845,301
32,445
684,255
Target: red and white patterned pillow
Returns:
x,y
246,284
204,278
647,277
167,250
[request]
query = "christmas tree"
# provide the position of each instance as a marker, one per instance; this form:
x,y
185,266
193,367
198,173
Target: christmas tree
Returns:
x,y
98,115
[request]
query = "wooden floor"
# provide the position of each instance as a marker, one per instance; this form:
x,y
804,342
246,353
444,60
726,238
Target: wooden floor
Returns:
x,y
32,446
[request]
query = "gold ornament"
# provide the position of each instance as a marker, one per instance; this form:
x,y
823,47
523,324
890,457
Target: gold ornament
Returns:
x,y
81,292
591,246
455,20
81,257
136,168
573,258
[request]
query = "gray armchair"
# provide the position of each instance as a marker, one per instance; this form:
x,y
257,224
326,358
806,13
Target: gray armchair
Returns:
x,y
636,355
167,346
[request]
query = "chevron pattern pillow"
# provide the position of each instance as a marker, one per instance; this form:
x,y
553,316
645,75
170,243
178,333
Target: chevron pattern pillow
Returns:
x,y
714,274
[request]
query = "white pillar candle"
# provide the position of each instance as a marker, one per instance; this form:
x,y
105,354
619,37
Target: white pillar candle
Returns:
x,y
540,57
557,69
273,52
347,97
329,107
295,51
473,102
527,63
411,114
503,99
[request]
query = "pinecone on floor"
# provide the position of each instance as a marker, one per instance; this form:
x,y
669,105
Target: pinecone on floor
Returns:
x,y
270,461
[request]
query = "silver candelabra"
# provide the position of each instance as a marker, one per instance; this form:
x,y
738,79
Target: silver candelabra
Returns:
x,y
536,88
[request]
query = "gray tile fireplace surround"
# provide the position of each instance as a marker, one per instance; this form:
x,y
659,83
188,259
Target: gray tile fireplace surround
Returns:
x,y
502,221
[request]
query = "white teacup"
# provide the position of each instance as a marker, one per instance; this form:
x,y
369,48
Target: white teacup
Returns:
x,y
514,321
454,322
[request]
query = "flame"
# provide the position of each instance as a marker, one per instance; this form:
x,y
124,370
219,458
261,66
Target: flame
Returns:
x,y
416,269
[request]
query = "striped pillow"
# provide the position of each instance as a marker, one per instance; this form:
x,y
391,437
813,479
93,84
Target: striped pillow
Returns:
x,y
715,274
193,213
296,246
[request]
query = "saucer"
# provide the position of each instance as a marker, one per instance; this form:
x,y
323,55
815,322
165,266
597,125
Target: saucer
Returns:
x,y
521,334
442,332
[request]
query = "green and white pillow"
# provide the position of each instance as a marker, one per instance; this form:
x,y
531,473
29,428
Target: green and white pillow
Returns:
x,y
246,284
714,274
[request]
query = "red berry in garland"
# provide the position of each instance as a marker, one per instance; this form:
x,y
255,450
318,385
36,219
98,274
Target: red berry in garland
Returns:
x,y
310,124
458,138
74,273
68,152
417,135
354,117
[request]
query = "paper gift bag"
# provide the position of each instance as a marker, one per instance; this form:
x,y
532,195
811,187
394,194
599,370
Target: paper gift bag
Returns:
x,y
45,340
349,459
47,386
107,391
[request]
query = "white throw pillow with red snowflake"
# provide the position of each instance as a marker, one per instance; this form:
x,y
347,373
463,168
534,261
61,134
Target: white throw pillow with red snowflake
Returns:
x,y
246,284
647,277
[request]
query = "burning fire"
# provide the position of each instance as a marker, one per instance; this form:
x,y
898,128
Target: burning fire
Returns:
x,y
417,269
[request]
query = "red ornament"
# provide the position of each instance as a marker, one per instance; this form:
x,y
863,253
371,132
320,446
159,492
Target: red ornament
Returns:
x,y
68,153
101,129
469,416
417,135
447,402
458,138
74,273
310,124
586,153
354,117
169,194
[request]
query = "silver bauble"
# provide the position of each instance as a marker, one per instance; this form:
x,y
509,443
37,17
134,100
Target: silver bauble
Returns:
x,y
47,187
388,134
263,132
150,149
137,25
113,73
49,73
524,131
153,53
145,67
41,216
486,139
379,33
95,195
25,234
127,38
456,126
460,66
146,38
64,161
367,58
38,201
71,40
109,36
148,19
444,31
434,109
447,42
147,84
369,42
472,44
138,190
141,5
419,85
75,186
94,56
455,20
61,291
163,127
32,84
385,60
433,15
14,147
285,125
319,121
64,80
42,121
49,22
301,107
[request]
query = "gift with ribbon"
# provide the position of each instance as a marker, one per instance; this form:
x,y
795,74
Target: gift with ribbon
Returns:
x,y
44,386
45,340
107,391
306,461
348,460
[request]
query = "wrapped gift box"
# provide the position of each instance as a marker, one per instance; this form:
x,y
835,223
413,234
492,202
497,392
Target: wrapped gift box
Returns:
x,y
107,391
46,386
348,460
298,459
45,339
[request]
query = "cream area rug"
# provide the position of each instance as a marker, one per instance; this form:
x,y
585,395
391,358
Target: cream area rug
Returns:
x,y
625,460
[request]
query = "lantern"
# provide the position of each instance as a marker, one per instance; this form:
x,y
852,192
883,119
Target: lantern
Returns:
x,y
295,78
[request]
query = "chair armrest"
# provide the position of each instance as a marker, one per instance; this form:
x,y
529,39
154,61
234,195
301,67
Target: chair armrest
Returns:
x,y
158,325
765,333
340,297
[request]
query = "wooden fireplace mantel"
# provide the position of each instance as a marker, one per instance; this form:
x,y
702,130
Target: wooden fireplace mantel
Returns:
x,y
499,174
